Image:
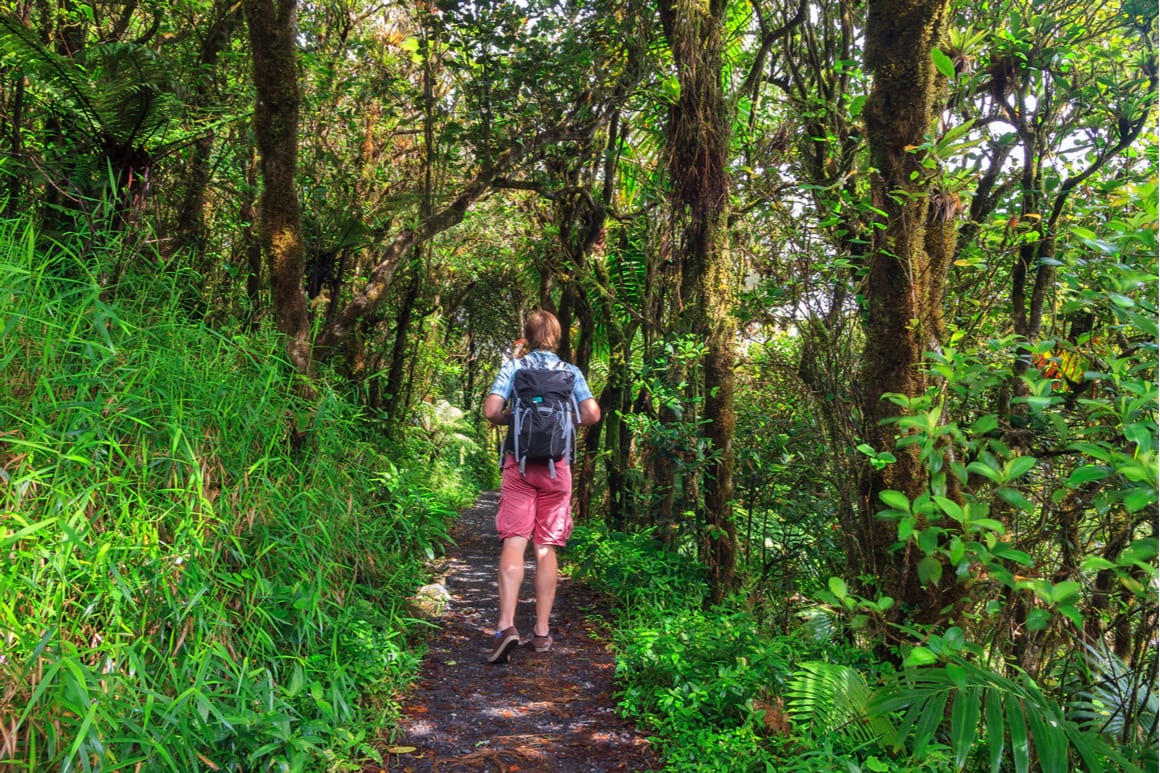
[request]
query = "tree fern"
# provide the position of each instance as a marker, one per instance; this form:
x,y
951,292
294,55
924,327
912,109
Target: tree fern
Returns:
x,y
121,96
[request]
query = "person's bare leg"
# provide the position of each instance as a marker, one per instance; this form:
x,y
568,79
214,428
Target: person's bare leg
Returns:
x,y
511,577
546,574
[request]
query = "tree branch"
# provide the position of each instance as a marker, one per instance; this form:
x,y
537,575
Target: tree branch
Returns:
x,y
365,301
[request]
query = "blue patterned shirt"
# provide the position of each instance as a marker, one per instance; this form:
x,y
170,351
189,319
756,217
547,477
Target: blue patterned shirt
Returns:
x,y
540,358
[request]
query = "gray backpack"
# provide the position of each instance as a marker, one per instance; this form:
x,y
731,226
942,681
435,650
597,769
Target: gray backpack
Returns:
x,y
544,415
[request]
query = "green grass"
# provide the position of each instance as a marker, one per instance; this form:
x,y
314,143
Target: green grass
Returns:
x,y
180,591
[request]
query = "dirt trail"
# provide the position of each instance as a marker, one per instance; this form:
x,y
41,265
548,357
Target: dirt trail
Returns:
x,y
550,711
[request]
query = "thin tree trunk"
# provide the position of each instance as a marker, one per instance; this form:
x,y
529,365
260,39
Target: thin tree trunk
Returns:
x,y
395,393
16,141
191,216
273,43
614,403
252,246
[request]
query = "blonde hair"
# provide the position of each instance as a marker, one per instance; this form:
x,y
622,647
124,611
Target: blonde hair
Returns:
x,y
542,330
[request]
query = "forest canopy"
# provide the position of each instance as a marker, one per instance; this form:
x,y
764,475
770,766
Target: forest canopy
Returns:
x,y
866,291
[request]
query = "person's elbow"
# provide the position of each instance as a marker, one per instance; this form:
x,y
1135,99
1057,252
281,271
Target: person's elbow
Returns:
x,y
493,409
589,412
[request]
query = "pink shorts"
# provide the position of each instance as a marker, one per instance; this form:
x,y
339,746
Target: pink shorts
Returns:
x,y
535,504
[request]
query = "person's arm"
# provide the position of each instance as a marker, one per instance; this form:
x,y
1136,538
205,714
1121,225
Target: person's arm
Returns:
x,y
493,409
589,411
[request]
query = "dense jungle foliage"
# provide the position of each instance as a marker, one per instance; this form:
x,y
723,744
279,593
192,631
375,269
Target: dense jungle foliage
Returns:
x,y
867,292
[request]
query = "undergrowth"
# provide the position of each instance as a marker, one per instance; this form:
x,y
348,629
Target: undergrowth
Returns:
x,y
180,590
717,688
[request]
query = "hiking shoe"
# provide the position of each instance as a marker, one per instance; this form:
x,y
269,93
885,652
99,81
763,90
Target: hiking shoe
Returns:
x,y
542,643
505,641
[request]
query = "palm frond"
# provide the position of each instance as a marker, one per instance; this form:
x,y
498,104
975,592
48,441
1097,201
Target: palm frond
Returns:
x,y
820,625
134,94
1019,720
1121,702
831,699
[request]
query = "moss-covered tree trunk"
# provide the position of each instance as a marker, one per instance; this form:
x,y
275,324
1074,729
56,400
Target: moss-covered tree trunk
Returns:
x,y
273,46
906,270
698,150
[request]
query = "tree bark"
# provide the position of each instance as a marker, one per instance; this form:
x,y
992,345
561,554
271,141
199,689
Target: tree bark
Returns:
x,y
698,150
615,403
907,264
273,45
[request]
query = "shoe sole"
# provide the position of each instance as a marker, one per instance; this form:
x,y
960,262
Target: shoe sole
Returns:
x,y
502,654
542,647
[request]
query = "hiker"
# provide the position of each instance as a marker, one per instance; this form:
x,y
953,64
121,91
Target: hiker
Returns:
x,y
535,494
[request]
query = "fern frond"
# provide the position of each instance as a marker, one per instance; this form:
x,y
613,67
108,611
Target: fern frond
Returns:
x,y
118,92
831,699
66,84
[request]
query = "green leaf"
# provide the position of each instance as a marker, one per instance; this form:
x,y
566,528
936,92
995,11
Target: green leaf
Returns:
x,y
943,63
1073,614
1140,434
986,471
895,499
984,424
1136,499
1121,300
1086,474
1003,550
929,570
1095,564
950,507
989,523
929,721
1065,592
838,587
1020,745
1014,498
1037,619
965,723
1093,450
1140,551
919,656
995,734
928,539
1019,466
1050,742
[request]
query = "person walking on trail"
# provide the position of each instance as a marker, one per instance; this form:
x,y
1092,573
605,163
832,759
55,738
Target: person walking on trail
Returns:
x,y
536,489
